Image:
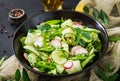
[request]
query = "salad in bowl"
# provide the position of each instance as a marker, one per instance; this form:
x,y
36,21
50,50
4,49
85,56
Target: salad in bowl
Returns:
x,y
61,46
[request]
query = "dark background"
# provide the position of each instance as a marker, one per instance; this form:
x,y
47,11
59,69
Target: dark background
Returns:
x,y
31,8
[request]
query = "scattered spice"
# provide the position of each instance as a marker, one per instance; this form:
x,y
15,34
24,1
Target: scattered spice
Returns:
x,y
4,51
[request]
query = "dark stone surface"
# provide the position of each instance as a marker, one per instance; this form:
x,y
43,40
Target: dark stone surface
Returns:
x,y
31,8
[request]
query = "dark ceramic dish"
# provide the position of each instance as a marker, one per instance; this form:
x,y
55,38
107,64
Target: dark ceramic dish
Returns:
x,y
75,16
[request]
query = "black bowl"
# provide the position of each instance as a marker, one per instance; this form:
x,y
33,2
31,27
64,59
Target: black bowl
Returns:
x,y
75,16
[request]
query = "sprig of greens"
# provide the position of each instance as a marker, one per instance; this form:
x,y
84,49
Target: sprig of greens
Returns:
x,y
17,76
101,73
114,38
99,15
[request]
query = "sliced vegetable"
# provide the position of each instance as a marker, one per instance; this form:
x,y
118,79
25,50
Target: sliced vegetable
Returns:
x,y
56,43
67,23
75,67
59,57
68,65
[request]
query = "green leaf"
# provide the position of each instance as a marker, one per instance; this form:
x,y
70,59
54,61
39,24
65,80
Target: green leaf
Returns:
x,y
113,77
78,30
102,75
25,76
109,68
114,38
86,9
17,75
44,27
104,17
95,13
82,42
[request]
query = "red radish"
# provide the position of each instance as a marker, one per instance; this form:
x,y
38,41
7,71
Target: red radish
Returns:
x,y
68,65
58,38
34,68
39,42
56,43
49,60
77,25
78,50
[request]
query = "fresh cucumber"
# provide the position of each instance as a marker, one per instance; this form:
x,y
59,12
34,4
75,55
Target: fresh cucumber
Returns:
x,y
59,57
75,67
60,69
67,23
31,36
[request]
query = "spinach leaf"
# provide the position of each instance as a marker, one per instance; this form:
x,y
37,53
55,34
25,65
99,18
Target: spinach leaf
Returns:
x,y
104,17
25,76
17,75
86,9
95,13
44,27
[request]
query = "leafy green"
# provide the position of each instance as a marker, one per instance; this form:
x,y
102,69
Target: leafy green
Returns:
x,y
114,38
25,76
104,17
44,27
95,13
17,75
86,9
101,73
99,15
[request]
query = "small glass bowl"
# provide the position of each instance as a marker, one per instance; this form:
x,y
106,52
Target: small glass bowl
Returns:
x,y
17,16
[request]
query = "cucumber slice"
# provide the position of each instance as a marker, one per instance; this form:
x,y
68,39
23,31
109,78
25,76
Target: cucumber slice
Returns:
x,y
59,57
67,23
75,68
60,69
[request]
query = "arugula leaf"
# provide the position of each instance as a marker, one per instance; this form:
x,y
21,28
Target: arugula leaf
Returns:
x,y
25,76
17,75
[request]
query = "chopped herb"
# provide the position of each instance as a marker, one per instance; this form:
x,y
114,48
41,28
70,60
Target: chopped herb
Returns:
x,y
101,73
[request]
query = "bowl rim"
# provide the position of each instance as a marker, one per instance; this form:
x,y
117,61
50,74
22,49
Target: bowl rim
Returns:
x,y
63,75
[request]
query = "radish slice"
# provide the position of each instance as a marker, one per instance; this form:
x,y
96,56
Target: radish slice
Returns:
x,y
34,68
68,65
49,60
77,25
78,50
56,43
39,42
